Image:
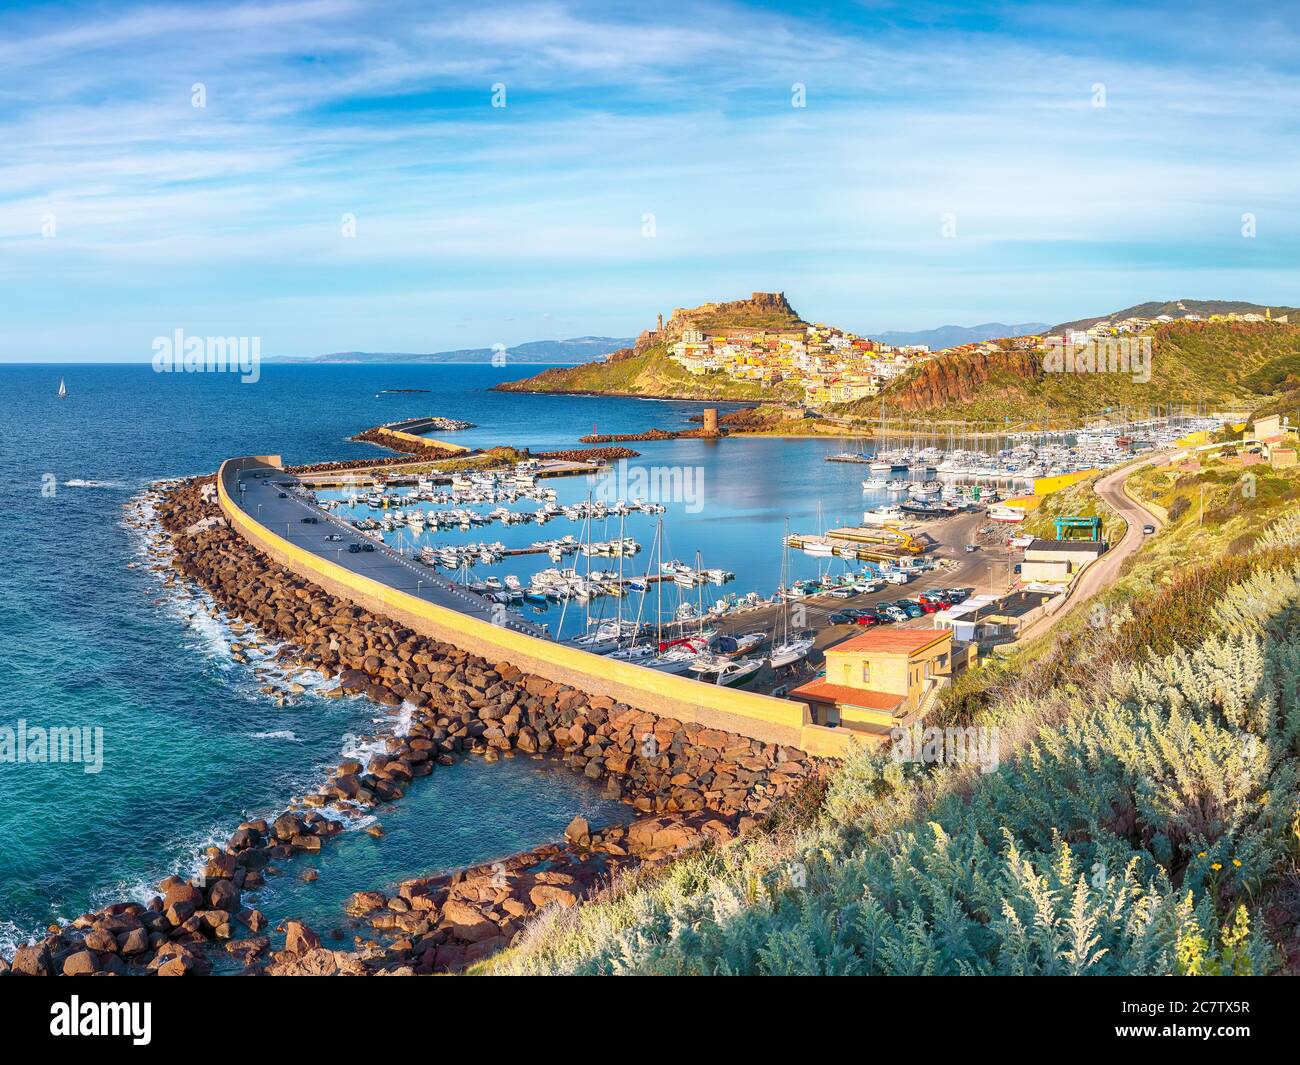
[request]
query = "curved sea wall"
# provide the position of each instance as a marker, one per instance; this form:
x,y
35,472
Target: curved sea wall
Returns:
x,y
760,717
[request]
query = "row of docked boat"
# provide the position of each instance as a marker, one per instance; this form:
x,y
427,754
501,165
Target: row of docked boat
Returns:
x,y
420,519
726,660
688,577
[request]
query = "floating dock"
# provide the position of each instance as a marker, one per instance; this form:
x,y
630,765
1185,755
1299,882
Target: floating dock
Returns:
x,y
859,543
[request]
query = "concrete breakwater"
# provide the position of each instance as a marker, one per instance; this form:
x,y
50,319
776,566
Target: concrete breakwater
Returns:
x,y
689,783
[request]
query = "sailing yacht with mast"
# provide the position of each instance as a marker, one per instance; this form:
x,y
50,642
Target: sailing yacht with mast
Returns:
x,y
787,649
63,389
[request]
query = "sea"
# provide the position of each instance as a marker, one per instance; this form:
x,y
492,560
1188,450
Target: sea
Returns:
x,y
91,639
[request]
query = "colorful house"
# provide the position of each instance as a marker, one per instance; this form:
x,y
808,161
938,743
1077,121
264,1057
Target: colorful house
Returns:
x,y
880,679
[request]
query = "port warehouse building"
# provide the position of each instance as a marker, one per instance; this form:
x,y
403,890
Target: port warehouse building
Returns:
x,y
1059,560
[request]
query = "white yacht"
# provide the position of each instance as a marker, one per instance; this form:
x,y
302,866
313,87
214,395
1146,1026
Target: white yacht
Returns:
x,y
788,652
882,515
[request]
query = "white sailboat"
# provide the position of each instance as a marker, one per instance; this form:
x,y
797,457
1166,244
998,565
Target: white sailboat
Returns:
x,y
63,389
789,648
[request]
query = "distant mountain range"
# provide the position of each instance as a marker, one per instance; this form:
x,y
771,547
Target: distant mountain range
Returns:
x,y
1177,309
950,336
576,351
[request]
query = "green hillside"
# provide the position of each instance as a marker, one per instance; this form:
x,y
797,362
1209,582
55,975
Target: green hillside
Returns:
x,y
651,374
1220,364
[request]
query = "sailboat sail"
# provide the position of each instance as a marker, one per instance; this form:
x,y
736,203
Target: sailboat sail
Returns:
x,y
63,389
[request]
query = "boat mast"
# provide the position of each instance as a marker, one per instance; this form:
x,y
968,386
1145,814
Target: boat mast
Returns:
x,y
618,637
659,585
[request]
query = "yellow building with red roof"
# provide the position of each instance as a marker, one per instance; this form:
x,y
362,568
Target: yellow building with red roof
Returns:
x,y
881,679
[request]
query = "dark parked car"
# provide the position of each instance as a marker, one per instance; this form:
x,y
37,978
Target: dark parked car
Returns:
x,y
367,547
354,549
309,520
284,495
843,617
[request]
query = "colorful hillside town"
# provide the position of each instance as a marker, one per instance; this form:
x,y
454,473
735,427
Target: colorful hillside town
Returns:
x,y
829,364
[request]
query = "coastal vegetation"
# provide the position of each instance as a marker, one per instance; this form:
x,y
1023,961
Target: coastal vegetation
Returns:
x,y
1076,500
1142,820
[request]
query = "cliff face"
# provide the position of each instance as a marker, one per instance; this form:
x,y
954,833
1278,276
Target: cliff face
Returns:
x,y
960,378
763,310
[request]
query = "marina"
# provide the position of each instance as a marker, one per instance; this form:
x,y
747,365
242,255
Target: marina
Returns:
x,y
615,586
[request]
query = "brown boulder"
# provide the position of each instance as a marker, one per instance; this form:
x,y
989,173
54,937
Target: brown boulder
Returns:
x,y
299,939
578,832
364,902
177,890
223,895
101,940
80,964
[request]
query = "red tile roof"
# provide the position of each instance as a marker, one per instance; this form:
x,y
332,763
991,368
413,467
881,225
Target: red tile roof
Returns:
x,y
842,693
892,641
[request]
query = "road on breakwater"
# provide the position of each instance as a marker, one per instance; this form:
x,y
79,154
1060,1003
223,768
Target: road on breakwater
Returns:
x,y
261,500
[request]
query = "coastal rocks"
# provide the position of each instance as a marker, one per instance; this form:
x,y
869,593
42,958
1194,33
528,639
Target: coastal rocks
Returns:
x,y
689,785
179,959
299,939
590,454
82,963
32,961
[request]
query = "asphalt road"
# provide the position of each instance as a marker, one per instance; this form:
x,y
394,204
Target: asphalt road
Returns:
x,y
261,501
1102,573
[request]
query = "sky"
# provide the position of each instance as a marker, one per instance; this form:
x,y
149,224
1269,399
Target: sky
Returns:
x,y
331,175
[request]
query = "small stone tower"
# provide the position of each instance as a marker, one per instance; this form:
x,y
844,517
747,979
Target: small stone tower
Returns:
x,y
710,421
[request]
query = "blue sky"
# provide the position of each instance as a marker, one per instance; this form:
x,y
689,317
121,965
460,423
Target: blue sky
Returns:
x,y
127,213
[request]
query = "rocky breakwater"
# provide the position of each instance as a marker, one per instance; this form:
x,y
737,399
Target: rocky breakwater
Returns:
x,y
383,437
687,784
173,933
648,435
590,454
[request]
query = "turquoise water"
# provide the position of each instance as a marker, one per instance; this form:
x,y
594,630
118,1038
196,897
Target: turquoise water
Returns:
x,y
191,746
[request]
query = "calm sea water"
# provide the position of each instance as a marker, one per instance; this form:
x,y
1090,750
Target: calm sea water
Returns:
x,y
191,747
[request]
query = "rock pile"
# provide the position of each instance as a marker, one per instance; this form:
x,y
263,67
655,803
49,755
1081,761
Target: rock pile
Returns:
x,y
590,454
172,933
687,783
